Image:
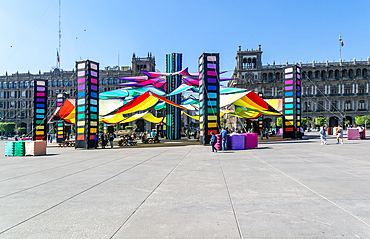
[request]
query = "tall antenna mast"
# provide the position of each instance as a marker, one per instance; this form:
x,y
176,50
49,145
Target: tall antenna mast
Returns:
x,y
60,34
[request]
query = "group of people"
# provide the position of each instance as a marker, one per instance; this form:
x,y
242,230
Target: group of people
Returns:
x,y
104,137
323,135
224,140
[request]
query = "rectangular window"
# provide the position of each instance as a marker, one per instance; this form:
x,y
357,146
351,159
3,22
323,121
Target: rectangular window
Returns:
x,y
23,93
12,95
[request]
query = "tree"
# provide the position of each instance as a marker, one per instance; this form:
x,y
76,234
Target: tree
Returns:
x,y
320,121
279,122
304,121
360,120
8,127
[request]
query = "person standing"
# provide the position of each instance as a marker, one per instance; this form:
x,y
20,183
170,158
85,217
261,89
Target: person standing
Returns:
x,y
224,139
102,138
111,138
323,135
267,133
361,131
340,134
262,133
213,141
302,132
96,138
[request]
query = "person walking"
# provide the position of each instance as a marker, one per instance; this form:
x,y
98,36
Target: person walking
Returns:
x,y
340,134
323,135
102,138
213,141
224,139
267,133
111,138
262,133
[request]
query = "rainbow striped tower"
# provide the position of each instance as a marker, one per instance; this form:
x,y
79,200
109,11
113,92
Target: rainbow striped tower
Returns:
x,y
87,103
173,64
292,102
61,129
209,96
40,109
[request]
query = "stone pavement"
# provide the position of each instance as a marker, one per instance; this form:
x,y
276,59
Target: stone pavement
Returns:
x,y
290,189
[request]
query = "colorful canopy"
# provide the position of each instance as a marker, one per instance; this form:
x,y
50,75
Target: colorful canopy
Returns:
x,y
114,119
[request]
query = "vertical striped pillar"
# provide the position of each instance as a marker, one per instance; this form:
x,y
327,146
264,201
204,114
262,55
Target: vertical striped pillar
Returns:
x,y
87,103
40,108
173,64
292,102
209,96
61,134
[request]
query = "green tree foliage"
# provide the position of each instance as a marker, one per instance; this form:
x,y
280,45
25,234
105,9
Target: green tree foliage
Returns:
x,y
321,121
128,127
304,121
7,127
360,120
279,122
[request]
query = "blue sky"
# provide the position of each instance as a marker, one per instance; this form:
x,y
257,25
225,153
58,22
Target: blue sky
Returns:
x,y
100,30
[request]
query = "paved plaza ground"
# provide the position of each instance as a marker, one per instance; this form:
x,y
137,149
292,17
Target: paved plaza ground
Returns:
x,y
290,189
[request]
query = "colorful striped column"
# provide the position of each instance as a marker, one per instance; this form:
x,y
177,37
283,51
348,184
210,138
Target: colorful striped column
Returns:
x,y
40,107
292,102
87,103
173,64
61,134
209,96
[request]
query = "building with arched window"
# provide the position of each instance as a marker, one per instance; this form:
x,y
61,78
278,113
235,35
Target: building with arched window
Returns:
x,y
16,90
338,90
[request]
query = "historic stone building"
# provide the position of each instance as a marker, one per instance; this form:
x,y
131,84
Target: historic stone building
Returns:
x,y
16,90
338,91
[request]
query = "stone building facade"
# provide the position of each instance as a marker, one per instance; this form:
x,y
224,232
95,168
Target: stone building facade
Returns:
x,y
338,91
16,90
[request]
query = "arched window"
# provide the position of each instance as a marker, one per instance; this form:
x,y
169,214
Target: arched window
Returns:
x,y
110,81
331,74
336,73
115,81
10,85
4,85
54,83
264,76
344,73
65,82
104,81
364,73
304,74
310,74
59,83
21,84
350,73
15,85
270,76
317,73
99,81
323,74
70,83
31,85
277,76
26,84
48,83
358,72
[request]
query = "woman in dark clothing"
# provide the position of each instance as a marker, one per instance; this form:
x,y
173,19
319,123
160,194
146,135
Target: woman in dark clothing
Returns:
x,y
102,138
